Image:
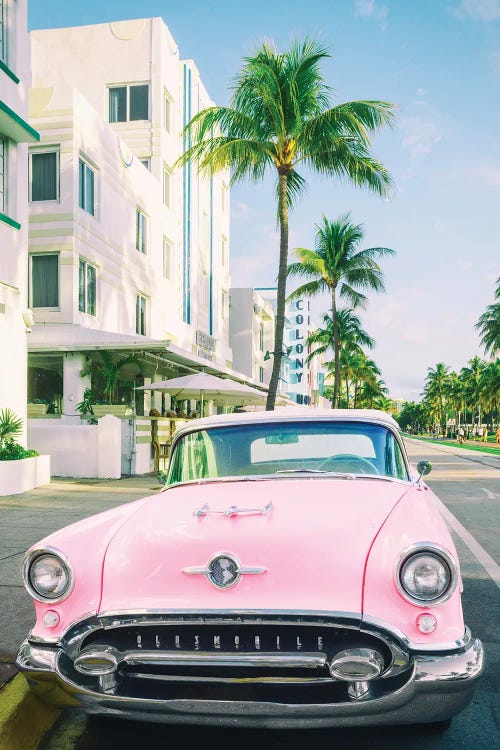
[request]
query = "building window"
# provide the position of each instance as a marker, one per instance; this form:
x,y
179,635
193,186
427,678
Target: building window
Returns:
x,y
44,287
261,374
86,187
44,175
167,114
129,103
141,227
3,30
86,288
167,257
261,337
146,162
167,186
223,303
140,315
224,197
3,174
224,251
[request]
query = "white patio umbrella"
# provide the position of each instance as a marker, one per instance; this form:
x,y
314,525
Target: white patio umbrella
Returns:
x,y
202,385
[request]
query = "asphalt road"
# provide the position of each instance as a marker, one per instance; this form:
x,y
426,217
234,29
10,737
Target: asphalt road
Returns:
x,y
469,487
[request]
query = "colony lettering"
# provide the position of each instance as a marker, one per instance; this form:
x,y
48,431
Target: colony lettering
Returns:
x,y
300,319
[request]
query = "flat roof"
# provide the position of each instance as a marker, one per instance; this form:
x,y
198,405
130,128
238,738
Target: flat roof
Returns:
x,y
291,413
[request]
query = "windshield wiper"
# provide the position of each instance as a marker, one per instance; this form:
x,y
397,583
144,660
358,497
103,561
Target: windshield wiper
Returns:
x,y
302,471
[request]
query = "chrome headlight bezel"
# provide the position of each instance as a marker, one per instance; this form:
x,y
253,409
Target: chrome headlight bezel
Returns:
x,y
31,557
429,548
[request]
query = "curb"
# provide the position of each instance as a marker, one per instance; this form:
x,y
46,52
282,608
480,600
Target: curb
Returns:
x,y
24,719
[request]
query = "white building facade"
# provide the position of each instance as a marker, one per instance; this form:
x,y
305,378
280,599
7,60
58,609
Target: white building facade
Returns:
x,y
120,240
15,133
251,333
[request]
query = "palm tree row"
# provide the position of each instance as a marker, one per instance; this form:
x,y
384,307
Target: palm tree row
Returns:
x,y
280,120
470,396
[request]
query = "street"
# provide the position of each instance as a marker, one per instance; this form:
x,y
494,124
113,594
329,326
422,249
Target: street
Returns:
x,y
469,487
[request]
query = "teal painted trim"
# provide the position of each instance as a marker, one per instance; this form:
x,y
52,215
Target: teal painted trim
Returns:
x,y
21,124
8,71
11,222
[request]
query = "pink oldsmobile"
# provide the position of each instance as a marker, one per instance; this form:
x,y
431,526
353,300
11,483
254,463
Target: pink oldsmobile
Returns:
x,y
293,572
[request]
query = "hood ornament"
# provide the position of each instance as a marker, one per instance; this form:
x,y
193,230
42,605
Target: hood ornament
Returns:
x,y
232,511
223,570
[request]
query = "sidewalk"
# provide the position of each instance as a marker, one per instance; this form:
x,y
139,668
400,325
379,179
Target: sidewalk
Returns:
x,y
488,459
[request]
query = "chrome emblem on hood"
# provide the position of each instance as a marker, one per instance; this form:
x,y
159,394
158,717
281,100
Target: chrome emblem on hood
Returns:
x,y
224,570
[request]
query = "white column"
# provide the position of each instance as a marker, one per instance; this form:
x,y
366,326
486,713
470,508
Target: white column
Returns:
x,y
73,384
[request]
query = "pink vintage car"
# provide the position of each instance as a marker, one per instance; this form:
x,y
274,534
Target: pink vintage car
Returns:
x,y
294,571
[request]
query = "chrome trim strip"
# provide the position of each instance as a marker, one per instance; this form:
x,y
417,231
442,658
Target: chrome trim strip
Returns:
x,y
439,551
243,659
233,680
232,511
29,558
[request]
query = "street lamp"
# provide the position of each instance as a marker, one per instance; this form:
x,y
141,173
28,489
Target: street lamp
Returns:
x,y
286,351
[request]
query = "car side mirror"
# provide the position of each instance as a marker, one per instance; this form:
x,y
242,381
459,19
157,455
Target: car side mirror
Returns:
x,y
423,468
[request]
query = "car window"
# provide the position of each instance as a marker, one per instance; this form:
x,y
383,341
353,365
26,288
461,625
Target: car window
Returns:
x,y
281,447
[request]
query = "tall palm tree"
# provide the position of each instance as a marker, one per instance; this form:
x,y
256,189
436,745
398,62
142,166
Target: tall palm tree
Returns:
x,y
489,325
338,267
280,117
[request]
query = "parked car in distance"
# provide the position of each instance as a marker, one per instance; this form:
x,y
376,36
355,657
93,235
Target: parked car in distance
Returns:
x,y
293,572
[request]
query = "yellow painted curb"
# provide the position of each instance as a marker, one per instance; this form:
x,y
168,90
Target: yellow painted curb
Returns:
x,y
24,719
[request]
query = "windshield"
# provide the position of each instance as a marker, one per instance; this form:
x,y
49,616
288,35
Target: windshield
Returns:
x,y
282,448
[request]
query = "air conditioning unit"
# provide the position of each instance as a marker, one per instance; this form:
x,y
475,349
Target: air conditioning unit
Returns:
x,y
257,309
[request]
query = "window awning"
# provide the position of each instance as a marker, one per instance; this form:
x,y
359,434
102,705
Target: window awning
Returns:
x,y
15,127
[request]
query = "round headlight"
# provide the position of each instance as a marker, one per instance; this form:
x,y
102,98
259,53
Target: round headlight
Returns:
x,y
47,576
426,576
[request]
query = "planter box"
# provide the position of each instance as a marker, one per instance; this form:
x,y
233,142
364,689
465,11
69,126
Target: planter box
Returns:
x,y
24,475
37,410
118,410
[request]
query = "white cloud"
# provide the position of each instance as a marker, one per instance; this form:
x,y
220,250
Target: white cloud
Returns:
x,y
421,135
479,10
371,9
486,174
422,92
240,210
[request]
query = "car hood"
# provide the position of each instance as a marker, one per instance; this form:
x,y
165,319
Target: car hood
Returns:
x,y
312,546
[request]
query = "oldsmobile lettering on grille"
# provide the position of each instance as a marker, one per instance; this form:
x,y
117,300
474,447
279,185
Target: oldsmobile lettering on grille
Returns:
x,y
233,642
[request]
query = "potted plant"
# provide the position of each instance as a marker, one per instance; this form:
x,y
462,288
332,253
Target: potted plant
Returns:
x,y
37,407
107,370
20,469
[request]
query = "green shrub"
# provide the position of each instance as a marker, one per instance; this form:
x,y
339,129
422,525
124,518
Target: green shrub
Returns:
x,y
10,427
12,451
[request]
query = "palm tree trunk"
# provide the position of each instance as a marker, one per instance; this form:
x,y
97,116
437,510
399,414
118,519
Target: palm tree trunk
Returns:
x,y
336,348
279,323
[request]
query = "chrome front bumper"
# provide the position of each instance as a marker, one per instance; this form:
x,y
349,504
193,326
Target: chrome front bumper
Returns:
x,y
438,687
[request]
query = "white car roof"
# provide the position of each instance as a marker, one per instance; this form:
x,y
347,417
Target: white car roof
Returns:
x,y
292,414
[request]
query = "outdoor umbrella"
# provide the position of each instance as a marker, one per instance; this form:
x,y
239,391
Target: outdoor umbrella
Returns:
x,y
202,385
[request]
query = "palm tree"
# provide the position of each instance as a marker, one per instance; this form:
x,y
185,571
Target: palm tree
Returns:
x,y
472,377
338,267
351,334
280,117
436,384
489,325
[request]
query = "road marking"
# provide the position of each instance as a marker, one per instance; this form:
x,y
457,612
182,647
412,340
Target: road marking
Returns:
x,y
490,495
479,553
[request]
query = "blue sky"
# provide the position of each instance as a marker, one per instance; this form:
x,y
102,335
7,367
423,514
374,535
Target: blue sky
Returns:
x,y
438,61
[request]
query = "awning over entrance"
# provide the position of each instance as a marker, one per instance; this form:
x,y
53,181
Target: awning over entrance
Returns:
x,y
70,338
